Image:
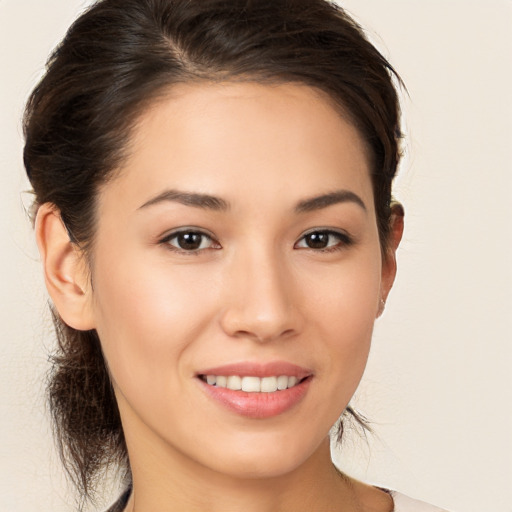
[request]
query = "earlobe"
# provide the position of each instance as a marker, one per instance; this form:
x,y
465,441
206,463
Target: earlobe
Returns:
x,y
65,270
396,230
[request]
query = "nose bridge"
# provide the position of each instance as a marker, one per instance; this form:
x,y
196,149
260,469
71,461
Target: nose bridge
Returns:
x,y
261,303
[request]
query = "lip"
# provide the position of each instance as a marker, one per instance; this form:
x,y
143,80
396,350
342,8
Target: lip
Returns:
x,y
258,405
261,370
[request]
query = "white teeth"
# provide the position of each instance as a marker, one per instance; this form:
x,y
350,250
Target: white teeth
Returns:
x,y
292,381
282,382
269,384
252,384
222,382
234,382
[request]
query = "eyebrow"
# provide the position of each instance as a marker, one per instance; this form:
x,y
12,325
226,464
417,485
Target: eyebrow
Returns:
x,y
325,200
209,202
194,199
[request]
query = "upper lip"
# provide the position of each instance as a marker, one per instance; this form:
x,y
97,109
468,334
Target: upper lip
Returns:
x,y
258,369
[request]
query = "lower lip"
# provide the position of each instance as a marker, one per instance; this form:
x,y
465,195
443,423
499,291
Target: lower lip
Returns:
x,y
258,405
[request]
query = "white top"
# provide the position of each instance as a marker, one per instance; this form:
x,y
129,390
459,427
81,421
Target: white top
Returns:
x,y
405,504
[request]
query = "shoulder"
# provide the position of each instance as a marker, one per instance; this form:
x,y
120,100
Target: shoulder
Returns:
x,y
405,504
120,504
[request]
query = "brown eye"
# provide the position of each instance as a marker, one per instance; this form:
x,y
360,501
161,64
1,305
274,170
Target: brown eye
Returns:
x,y
323,240
318,240
189,241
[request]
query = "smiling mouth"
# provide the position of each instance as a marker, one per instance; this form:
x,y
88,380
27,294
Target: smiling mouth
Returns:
x,y
253,384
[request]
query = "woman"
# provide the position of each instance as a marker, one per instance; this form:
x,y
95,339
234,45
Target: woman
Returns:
x,y
215,221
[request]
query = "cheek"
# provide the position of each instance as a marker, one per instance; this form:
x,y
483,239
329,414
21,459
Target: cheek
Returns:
x,y
345,296
147,315
343,308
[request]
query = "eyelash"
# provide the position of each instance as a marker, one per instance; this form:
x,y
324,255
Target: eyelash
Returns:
x,y
175,234
344,241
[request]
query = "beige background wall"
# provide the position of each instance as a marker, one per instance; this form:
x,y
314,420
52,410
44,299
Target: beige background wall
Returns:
x,y
439,382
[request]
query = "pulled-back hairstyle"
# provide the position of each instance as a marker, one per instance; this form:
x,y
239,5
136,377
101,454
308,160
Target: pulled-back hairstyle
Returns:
x,y
118,58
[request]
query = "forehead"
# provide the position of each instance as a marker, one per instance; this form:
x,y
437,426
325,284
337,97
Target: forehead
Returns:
x,y
242,137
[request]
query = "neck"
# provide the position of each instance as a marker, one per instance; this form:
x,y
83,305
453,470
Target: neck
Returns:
x,y
176,483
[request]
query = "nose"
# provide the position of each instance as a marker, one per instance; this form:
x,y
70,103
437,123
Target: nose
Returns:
x,y
263,299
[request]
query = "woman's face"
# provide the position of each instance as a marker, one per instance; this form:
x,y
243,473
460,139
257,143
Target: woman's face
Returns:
x,y
238,246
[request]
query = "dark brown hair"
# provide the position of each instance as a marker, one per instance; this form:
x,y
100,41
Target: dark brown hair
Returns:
x,y
116,59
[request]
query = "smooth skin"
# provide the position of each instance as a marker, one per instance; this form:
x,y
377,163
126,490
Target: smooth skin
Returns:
x,y
260,270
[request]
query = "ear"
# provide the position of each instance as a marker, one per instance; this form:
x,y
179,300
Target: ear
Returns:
x,y
65,270
396,230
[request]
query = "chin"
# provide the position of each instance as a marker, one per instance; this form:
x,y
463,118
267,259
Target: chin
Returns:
x,y
266,455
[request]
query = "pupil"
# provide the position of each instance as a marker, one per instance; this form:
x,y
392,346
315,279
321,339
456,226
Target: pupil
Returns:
x,y
317,240
189,241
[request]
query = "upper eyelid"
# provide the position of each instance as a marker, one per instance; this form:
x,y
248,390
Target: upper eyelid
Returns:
x,y
186,229
334,231
194,229
165,241
344,238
